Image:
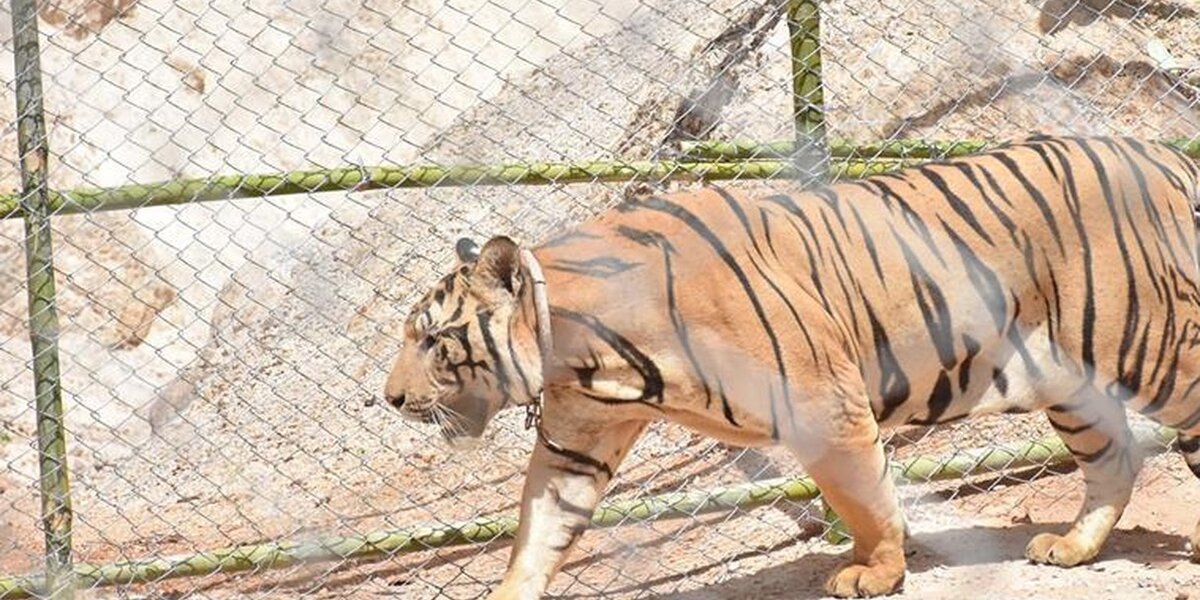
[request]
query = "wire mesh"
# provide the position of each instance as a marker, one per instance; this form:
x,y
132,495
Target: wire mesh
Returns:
x,y
221,330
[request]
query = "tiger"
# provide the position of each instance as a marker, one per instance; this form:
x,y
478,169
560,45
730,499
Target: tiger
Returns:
x,y
1053,273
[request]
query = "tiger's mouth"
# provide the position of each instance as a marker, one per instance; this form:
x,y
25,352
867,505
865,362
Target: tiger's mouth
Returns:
x,y
424,414
461,419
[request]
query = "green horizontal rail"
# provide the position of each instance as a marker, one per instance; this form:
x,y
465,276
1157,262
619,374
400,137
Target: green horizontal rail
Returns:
x,y
841,149
1047,452
713,161
230,187
838,149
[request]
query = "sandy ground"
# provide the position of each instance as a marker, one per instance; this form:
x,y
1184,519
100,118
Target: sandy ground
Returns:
x,y
216,356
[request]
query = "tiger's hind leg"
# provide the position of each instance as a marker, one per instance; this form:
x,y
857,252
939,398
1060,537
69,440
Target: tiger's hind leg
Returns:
x,y
1189,446
1181,410
1095,429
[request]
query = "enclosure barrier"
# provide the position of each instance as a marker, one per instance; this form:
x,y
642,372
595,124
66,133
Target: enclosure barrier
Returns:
x,y
1047,452
868,151
360,179
696,161
34,201
700,161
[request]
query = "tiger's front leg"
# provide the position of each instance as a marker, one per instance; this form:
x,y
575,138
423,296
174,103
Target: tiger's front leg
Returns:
x,y
564,483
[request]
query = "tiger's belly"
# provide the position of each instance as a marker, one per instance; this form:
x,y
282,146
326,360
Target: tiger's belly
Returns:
x,y
1004,377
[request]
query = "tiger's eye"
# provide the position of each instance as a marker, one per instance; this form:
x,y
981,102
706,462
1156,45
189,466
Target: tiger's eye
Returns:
x,y
453,350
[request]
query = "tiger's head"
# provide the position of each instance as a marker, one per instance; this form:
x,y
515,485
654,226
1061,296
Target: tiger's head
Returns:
x,y
471,343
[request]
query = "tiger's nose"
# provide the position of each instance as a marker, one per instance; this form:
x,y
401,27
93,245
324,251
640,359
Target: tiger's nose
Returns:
x,y
397,400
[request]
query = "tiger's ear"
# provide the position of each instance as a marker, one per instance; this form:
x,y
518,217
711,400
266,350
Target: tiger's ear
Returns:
x,y
466,249
499,264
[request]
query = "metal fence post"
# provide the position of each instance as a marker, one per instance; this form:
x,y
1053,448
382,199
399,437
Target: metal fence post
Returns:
x,y
811,152
43,318
808,99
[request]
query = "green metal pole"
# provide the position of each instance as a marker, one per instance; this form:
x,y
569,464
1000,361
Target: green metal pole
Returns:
x,y
804,27
43,318
235,187
725,151
846,150
809,151
808,98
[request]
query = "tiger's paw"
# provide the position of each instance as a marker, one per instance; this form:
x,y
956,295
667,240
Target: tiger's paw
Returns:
x,y
508,591
1058,550
863,581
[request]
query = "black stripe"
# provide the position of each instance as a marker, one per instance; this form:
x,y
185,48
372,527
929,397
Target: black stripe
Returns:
x,y
516,362
742,218
458,310
940,398
997,212
1089,290
893,383
1071,429
1041,152
834,203
1132,314
983,279
1189,445
1038,198
651,238
815,254
1151,206
1000,380
932,302
570,236
652,382
812,347
764,218
1018,342
997,189
1166,332
869,241
692,221
1055,317
573,533
489,342
964,369
733,205
578,458
1129,381
1167,386
1091,457
914,220
851,289
956,203
569,507
1172,178
600,267
458,333
1146,259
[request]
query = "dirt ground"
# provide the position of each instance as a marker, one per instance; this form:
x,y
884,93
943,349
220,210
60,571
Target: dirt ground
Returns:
x,y
967,542
216,356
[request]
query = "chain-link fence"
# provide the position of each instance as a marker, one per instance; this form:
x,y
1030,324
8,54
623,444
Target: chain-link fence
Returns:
x,y
214,357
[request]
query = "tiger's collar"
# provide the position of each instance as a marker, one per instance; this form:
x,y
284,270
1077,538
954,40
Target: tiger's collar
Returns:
x,y
545,340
